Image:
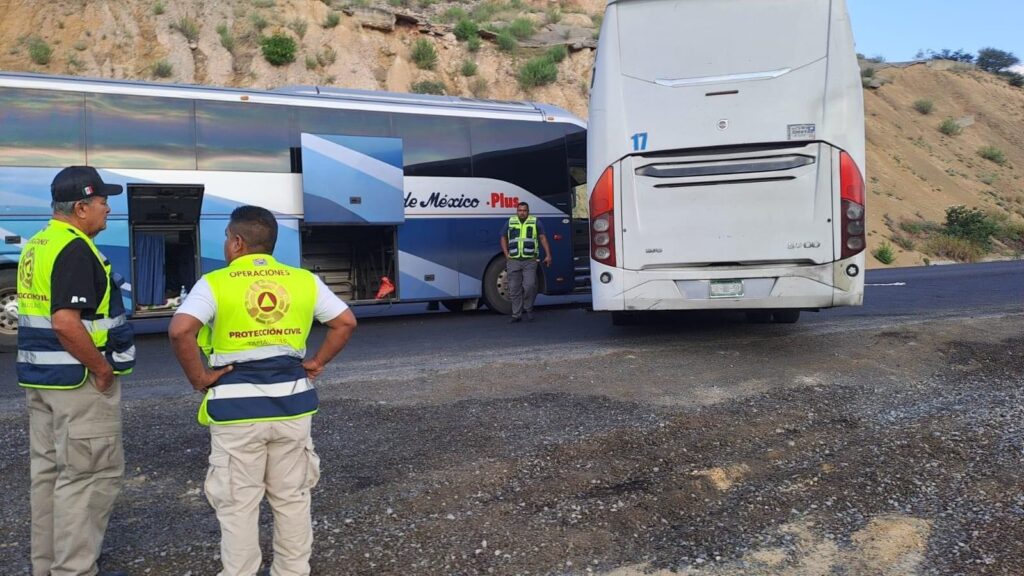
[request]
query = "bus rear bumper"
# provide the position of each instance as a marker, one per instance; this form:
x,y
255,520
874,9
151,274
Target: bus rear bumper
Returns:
x,y
803,287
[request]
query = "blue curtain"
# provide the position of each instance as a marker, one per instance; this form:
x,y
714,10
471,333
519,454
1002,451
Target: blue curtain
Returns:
x,y
149,279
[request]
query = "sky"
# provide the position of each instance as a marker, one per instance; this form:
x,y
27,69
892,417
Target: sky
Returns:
x,y
897,29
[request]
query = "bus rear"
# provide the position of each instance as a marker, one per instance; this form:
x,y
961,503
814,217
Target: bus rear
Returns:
x,y
725,157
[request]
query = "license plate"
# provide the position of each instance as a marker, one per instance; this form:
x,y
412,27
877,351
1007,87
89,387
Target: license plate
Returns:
x,y
726,288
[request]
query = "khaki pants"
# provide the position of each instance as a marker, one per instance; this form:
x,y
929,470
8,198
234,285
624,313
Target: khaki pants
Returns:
x,y
76,461
246,461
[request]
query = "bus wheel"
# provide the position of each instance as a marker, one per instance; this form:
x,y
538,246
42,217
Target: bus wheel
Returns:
x,y
496,287
8,305
788,316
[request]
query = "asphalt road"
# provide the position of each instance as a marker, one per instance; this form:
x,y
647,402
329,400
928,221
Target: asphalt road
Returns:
x,y
390,343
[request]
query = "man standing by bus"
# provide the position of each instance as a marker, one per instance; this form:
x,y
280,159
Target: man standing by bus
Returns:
x,y
519,243
252,319
73,343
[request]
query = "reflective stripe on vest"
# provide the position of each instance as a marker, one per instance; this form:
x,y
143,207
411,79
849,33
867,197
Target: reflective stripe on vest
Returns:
x,y
522,238
264,313
42,361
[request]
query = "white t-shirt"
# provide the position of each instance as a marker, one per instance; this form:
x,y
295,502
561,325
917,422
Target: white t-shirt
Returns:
x,y
199,303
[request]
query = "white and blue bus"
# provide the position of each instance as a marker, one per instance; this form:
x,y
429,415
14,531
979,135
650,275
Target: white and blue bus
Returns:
x,y
365,185
726,157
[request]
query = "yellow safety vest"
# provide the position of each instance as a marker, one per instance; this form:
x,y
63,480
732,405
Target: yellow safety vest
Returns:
x,y
42,361
522,238
264,314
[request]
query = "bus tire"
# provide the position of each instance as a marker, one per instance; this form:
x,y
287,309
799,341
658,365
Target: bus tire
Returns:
x,y
787,316
496,287
8,325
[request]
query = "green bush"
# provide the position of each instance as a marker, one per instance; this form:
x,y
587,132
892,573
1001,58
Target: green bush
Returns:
x,y
326,56
506,41
473,45
478,87
557,53
923,106
162,69
424,54
537,72
466,29
226,39
158,8
868,72
263,3
311,63
970,224
1015,79
992,154
597,19
521,28
278,49
188,27
949,127
299,26
903,242
1012,235
554,15
884,253
454,14
428,87
259,22
39,51
469,68
332,20
951,248
919,227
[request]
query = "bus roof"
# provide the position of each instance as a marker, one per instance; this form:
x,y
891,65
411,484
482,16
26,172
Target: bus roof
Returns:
x,y
315,96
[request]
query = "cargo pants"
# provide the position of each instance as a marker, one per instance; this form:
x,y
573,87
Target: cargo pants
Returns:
x,y
522,284
247,461
76,462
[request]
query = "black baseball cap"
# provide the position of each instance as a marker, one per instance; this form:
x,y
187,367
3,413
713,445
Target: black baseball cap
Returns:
x,y
80,182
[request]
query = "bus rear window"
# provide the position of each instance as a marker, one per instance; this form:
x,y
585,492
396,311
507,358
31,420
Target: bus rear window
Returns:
x,y
687,39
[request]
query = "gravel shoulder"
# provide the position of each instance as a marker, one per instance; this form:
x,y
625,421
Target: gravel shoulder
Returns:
x,y
859,450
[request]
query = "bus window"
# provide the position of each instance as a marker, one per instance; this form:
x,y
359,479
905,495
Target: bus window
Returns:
x,y
433,145
530,155
346,122
140,132
242,137
41,128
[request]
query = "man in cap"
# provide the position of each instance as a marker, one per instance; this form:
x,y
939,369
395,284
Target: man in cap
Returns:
x,y
73,342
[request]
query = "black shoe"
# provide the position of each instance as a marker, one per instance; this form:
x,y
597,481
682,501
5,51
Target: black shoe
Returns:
x,y
513,319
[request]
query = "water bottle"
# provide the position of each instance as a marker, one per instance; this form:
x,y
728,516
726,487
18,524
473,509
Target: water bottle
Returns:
x,y
183,294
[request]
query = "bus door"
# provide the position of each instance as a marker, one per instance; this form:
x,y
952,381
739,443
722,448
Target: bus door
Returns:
x,y
353,203
163,224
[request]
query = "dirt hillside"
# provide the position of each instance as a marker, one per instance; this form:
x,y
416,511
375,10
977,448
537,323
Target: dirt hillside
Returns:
x,y
914,171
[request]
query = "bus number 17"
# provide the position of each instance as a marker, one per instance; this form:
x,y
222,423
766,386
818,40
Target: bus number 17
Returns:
x,y
639,141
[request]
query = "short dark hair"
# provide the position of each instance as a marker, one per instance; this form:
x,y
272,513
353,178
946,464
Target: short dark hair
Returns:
x,y
257,226
527,204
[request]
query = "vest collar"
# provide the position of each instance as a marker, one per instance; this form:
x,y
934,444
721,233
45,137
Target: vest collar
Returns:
x,y
69,227
253,260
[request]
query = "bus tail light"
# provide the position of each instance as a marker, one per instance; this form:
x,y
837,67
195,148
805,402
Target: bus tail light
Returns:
x,y
602,219
851,186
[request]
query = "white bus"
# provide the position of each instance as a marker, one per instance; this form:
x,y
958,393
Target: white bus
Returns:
x,y
366,186
725,158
